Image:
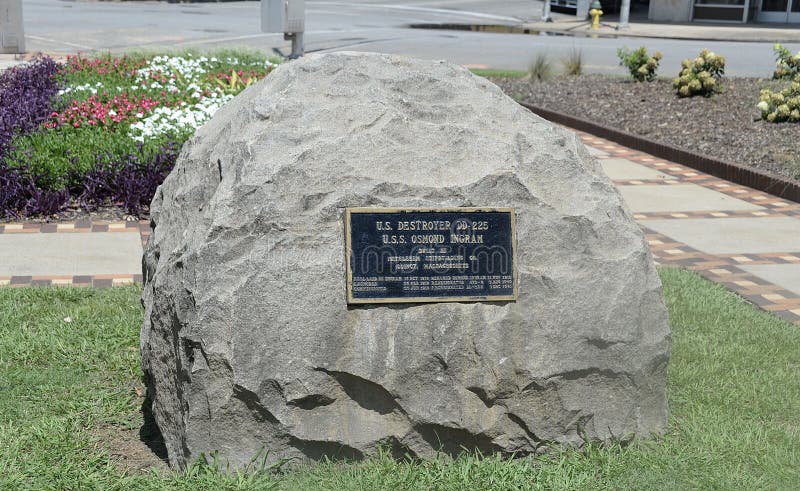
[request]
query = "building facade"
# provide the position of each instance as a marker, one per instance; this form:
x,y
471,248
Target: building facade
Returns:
x,y
739,11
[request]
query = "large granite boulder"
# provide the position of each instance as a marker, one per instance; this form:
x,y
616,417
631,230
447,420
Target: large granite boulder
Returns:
x,y
248,342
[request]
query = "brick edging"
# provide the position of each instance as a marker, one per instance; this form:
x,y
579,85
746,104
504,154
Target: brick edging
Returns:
x,y
96,281
142,227
753,178
80,226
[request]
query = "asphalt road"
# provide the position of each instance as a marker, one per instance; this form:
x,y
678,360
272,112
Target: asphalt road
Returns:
x,y
69,26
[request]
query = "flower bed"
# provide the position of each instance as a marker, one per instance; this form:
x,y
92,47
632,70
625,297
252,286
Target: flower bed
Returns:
x,y
102,131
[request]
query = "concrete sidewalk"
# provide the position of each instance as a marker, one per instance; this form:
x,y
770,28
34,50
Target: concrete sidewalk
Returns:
x,y
745,239
75,253
696,31
10,60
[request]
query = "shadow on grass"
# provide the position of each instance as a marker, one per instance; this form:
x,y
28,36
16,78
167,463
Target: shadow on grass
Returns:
x,y
150,434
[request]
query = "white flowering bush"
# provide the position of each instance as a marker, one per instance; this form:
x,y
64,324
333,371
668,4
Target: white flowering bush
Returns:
x,y
83,88
781,106
180,73
194,89
180,120
700,76
185,67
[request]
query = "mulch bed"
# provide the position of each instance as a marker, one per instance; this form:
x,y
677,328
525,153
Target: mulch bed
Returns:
x,y
726,126
73,212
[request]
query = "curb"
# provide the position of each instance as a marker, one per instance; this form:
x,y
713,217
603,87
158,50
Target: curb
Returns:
x,y
757,179
579,30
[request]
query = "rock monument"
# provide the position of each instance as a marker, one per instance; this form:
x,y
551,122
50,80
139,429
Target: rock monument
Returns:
x,y
249,342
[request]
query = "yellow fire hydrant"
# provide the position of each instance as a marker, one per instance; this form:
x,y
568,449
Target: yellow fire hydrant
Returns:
x,y
596,13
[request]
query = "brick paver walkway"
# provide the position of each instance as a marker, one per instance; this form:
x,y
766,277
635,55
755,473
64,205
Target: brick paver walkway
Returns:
x,y
747,240
79,253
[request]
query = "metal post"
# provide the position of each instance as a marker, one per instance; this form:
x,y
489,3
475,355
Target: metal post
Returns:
x,y
298,45
582,9
12,33
624,14
546,11
288,17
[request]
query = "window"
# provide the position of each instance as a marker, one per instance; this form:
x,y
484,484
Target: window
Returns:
x,y
774,5
721,10
720,3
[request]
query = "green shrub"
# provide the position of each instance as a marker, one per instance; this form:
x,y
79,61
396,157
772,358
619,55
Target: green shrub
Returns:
x,y
787,66
700,76
59,158
641,66
777,107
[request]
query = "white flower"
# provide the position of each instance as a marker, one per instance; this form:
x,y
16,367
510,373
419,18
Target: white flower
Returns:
x,y
763,106
188,69
174,119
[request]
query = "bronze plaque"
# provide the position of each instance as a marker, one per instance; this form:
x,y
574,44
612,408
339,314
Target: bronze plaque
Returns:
x,y
430,255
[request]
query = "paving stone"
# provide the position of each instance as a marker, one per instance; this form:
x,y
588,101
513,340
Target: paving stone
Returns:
x,y
70,254
596,151
783,275
624,169
680,197
733,235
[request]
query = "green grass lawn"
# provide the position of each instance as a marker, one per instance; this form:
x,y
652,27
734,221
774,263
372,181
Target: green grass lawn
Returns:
x,y
491,72
69,368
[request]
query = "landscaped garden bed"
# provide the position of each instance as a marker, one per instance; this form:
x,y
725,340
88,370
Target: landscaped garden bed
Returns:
x,y
97,135
727,126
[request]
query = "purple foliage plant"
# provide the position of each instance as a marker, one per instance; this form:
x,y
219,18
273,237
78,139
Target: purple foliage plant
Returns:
x,y
20,196
130,184
26,96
